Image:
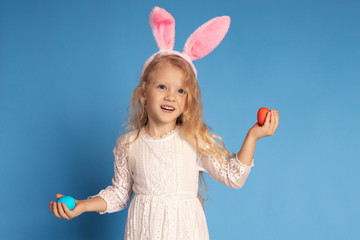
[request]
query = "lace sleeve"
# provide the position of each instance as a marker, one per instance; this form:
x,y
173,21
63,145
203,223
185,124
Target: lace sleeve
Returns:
x,y
227,170
118,195
230,171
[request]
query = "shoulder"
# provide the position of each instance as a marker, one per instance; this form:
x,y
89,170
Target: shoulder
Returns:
x,y
127,137
124,140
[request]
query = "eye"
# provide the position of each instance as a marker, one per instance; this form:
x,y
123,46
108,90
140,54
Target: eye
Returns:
x,y
181,91
162,86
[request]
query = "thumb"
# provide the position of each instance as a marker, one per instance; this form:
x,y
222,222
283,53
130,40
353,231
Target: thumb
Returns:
x,y
58,195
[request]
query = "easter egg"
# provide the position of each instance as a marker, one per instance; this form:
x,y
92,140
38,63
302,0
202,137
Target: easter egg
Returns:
x,y
69,201
261,115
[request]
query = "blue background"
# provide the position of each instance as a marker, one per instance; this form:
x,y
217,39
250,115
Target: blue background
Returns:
x,y
67,71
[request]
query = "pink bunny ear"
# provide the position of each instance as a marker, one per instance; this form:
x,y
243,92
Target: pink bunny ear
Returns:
x,y
207,37
162,25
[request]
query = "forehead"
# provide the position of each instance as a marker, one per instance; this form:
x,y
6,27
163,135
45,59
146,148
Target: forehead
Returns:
x,y
167,73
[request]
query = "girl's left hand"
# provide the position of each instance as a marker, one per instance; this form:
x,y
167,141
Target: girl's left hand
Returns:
x,y
269,127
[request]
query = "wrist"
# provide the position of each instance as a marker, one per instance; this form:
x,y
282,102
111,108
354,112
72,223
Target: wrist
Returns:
x,y
95,204
84,205
251,136
87,204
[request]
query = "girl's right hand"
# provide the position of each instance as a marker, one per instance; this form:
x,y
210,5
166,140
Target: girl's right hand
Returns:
x,y
60,210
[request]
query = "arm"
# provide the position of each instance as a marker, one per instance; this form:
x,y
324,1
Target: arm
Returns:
x,y
227,170
95,204
246,153
234,171
116,196
113,198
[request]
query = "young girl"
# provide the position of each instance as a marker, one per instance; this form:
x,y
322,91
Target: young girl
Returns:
x,y
162,158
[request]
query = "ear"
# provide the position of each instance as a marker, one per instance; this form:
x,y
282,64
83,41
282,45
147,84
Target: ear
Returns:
x,y
162,25
143,96
207,37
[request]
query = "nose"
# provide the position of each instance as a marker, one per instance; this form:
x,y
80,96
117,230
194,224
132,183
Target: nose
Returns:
x,y
170,96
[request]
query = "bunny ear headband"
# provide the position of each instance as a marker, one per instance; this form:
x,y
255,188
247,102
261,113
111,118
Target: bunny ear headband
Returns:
x,y
200,43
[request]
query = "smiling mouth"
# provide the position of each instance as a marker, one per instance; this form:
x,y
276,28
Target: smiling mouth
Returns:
x,y
168,108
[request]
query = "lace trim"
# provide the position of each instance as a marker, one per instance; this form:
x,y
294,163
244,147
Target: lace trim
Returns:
x,y
166,135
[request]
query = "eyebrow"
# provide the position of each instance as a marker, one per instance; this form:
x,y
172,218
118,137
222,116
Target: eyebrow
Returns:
x,y
154,83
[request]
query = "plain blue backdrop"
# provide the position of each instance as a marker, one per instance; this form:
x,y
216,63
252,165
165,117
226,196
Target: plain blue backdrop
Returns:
x,y
67,71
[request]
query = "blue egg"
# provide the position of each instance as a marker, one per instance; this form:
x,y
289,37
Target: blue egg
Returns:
x,y
69,201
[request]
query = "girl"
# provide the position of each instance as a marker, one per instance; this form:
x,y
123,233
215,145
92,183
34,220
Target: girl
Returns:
x,y
167,145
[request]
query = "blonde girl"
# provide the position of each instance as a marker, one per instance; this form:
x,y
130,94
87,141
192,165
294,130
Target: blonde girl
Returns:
x,y
167,146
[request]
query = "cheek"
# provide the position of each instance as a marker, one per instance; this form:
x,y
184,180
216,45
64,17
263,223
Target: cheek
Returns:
x,y
150,96
183,102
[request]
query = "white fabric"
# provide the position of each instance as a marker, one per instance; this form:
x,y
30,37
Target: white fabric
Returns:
x,y
163,173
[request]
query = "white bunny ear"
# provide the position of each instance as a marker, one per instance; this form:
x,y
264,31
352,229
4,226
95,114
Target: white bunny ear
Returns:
x,y
162,25
207,37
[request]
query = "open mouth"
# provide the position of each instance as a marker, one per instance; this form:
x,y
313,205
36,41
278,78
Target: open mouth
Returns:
x,y
167,108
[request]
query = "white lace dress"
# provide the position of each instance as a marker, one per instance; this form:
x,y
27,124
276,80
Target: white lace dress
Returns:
x,y
163,173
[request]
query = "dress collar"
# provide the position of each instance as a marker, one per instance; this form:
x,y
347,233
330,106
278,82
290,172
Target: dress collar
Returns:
x,y
164,136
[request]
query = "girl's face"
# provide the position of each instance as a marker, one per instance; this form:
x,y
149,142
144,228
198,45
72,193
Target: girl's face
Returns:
x,y
165,97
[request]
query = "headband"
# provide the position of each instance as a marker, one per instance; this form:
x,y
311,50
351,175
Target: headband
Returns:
x,y
200,43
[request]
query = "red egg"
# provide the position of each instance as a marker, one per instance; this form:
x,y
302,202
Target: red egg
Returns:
x,y
261,115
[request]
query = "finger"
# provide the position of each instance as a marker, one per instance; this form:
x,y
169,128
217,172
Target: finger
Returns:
x,y
51,206
58,195
61,211
272,119
67,211
276,120
272,123
267,119
55,210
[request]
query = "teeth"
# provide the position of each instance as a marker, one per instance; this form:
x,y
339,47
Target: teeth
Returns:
x,y
168,108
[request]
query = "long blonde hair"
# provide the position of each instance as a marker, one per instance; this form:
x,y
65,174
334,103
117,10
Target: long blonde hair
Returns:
x,y
193,128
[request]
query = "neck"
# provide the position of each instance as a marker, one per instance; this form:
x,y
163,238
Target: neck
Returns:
x,y
158,131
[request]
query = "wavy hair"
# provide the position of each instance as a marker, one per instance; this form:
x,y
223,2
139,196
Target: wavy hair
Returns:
x,y
193,128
